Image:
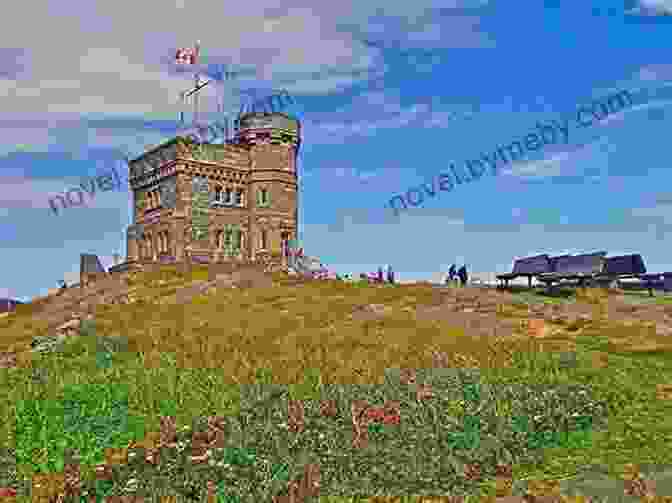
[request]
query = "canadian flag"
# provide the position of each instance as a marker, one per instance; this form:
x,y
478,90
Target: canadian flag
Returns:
x,y
186,56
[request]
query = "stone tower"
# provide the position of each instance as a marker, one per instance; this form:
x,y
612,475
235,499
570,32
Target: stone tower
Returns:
x,y
273,142
211,203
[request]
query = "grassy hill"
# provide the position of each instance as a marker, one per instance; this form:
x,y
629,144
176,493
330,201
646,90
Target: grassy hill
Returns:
x,y
206,385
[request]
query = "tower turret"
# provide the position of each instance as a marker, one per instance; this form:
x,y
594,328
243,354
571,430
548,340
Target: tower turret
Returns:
x,y
273,140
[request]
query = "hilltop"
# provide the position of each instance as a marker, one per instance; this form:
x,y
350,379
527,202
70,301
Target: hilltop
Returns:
x,y
247,353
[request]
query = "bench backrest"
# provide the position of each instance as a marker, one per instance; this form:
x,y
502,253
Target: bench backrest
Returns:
x,y
667,281
532,265
587,263
625,264
554,261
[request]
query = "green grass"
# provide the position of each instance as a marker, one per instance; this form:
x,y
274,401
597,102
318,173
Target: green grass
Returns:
x,y
101,413
568,296
548,417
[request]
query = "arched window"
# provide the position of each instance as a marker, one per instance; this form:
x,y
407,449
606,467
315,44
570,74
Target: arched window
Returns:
x,y
220,240
239,197
228,238
227,200
264,240
218,194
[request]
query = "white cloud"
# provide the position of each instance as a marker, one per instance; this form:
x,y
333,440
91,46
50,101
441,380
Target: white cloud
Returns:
x,y
593,155
652,8
125,68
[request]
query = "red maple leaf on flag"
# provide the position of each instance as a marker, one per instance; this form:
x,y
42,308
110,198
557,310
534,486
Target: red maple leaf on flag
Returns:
x,y
186,56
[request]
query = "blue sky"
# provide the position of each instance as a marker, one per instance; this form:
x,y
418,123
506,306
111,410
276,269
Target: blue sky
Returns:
x,y
389,94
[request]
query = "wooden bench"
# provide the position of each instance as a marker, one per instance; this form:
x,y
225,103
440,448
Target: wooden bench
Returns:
x,y
582,268
655,281
621,267
526,267
632,266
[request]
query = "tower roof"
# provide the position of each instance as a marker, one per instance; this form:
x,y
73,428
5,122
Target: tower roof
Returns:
x,y
276,120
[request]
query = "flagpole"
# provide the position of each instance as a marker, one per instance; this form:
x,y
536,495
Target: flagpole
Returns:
x,y
197,82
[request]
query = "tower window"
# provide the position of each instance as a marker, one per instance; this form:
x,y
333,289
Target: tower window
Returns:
x,y
228,234
285,243
227,198
262,196
239,197
264,240
218,194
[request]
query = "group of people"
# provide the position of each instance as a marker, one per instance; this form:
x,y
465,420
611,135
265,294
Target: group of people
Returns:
x,y
381,276
454,273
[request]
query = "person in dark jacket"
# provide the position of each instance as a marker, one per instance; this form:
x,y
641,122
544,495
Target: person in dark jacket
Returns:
x,y
390,275
380,277
462,273
452,272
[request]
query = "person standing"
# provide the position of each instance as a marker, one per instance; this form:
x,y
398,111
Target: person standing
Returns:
x,y
380,275
452,272
390,275
462,273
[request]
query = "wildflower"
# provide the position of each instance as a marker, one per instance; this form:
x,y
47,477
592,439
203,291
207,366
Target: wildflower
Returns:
x,y
424,391
392,419
328,408
296,421
407,376
387,414
375,414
